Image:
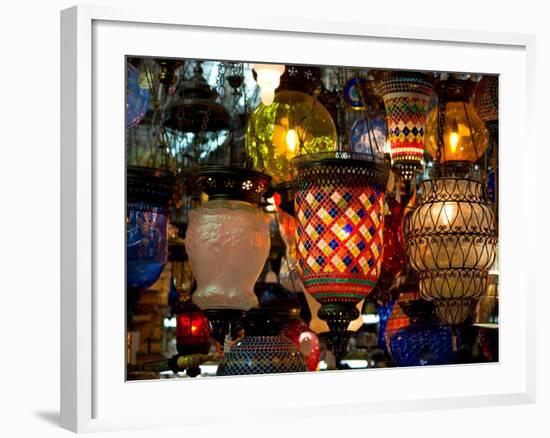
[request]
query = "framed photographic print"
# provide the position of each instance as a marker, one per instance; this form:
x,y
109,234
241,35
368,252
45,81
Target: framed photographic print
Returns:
x,y
252,209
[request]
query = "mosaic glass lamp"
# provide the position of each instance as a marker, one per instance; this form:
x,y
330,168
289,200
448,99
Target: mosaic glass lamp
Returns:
x,y
339,200
406,97
451,235
425,341
294,123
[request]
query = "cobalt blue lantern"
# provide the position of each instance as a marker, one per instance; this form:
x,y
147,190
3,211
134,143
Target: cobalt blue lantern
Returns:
x,y
425,341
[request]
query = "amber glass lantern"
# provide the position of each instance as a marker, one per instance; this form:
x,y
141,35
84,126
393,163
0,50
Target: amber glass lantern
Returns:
x,y
455,121
451,235
339,201
406,97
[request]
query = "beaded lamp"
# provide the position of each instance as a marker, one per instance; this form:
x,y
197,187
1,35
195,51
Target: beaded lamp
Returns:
x,y
339,199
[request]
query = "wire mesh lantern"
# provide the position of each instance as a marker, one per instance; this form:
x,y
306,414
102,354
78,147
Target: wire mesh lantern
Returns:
x,y
339,201
406,97
451,235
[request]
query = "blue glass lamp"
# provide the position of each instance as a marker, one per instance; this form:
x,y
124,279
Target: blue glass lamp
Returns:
x,y
425,341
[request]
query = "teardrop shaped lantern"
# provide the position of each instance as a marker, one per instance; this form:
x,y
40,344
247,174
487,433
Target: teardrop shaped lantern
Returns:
x,y
406,97
339,200
451,235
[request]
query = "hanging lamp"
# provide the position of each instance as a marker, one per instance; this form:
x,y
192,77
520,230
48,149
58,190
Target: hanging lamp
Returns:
x,y
451,235
406,97
339,198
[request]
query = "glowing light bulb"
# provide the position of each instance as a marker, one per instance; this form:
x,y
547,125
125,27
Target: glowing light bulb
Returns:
x,y
453,140
291,140
268,79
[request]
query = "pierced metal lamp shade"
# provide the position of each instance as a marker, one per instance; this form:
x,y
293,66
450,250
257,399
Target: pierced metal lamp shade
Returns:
x,y
452,242
406,96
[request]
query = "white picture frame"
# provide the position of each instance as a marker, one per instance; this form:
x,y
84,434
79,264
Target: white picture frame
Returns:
x,y
94,395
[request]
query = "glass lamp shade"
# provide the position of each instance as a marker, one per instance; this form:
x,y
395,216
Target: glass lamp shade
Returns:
x,y
421,339
406,96
146,244
384,311
486,98
288,275
423,343
452,240
339,210
262,355
397,320
137,98
227,242
306,341
394,241
339,199
192,331
295,122
465,137
369,134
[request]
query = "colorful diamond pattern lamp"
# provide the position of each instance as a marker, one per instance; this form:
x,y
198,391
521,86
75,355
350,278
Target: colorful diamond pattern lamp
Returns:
x,y
339,201
406,96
